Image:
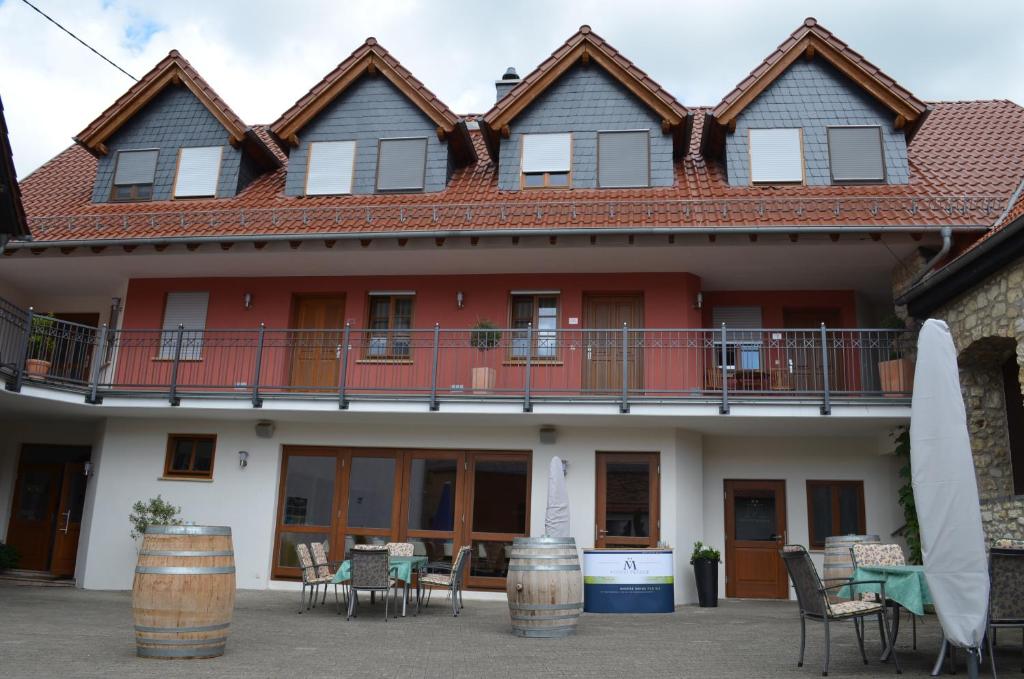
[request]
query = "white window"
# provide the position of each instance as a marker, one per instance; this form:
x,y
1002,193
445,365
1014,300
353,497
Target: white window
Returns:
x,y
742,336
331,164
187,309
198,171
776,156
401,164
547,160
855,154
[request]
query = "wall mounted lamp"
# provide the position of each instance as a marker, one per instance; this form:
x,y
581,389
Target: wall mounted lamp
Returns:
x,y
243,459
460,299
698,303
87,469
247,300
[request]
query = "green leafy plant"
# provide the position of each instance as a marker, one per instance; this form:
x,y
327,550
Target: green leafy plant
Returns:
x,y
40,341
702,551
912,529
484,335
154,512
894,322
8,557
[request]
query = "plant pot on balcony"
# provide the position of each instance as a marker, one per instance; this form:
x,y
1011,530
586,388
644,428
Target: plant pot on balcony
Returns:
x,y
896,376
483,380
37,368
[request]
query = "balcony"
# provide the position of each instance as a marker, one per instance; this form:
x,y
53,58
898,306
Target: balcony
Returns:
x,y
434,366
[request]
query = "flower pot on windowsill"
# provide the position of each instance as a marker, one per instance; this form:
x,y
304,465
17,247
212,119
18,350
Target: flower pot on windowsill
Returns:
x,y
896,376
483,380
36,368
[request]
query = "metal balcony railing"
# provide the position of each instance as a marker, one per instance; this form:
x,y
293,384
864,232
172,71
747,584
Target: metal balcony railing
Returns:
x,y
436,365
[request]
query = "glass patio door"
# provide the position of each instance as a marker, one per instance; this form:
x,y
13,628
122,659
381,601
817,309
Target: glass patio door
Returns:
x,y
499,500
307,503
433,503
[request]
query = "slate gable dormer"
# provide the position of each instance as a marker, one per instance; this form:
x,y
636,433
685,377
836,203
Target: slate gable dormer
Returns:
x,y
371,109
813,95
172,120
583,101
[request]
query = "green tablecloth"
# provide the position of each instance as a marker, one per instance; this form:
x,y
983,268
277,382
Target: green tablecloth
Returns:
x,y
905,585
401,568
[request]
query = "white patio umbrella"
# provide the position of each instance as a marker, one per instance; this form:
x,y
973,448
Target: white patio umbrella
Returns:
x,y
946,493
556,518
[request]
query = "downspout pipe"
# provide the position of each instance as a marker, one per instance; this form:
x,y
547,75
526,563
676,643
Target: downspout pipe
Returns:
x,y
947,244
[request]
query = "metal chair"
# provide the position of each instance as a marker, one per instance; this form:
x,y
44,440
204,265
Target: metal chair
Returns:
x,y
371,572
400,548
310,578
450,580
870,554
1006,593
813,600
324,570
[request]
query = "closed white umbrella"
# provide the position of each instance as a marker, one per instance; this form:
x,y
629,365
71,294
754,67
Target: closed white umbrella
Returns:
x,y
946,493
556,518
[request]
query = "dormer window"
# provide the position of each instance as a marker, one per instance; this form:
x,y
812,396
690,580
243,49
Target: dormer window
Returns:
x,y
623,159
331,166
855,154
198,172
776,156
547,160
401,164
133,175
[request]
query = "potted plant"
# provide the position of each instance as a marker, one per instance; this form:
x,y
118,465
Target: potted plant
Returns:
x,y
484,336
154,512
41,347
896,375
8,557
705,561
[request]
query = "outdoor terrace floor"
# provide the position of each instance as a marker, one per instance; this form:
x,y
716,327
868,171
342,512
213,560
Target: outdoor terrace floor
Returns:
x,y
64,632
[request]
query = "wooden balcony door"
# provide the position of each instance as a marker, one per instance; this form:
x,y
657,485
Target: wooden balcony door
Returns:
x,y
805,361
318,321
603,343
755,530
628,500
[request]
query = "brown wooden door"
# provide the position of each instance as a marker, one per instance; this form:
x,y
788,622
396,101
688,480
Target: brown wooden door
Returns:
x,y
316,342
69,520
805,359
603,342
628,500
755,530
34,515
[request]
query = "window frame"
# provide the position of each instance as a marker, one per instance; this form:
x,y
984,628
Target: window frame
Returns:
x,y
881,153
380,146
193,339
389,356
775,182
647,136
216,181
534,296
833,485
547,174
1013,407
134,198
190,473
309,161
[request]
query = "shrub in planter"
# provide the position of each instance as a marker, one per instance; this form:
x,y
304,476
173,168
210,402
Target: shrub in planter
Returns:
x,y
485,336
705,561
153,512
8,557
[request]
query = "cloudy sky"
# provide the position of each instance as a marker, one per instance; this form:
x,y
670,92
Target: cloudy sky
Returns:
x,y
262,55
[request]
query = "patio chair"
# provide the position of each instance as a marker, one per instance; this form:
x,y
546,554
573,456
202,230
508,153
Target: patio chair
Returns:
x,y
324,570
400,548
883,555
1006,593
310,578
371,572
450,581
814,604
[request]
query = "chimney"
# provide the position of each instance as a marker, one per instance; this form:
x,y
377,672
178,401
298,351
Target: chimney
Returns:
x,y
507,82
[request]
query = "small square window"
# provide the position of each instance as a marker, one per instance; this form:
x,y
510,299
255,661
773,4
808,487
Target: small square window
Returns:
x,y
330,169
623,158
401,164
855,154
190,456
198,171
776,156
134,172
547,160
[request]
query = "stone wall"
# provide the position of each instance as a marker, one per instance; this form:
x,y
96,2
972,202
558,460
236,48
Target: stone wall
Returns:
x,y
987,323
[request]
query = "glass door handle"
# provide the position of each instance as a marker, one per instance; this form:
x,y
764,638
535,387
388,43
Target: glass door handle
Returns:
x,y
67,520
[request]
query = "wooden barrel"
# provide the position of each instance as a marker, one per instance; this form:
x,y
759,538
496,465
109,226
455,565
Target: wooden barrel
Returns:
x,y
838,562
184,592
545,587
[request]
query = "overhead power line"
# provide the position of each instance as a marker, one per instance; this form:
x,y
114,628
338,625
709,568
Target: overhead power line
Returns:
x,y
90,47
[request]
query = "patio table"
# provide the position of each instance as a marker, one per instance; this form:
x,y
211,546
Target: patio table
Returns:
x,y
401,567
905,585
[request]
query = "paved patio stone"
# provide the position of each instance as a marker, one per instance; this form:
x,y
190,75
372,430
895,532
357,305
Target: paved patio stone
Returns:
x,y
63,632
